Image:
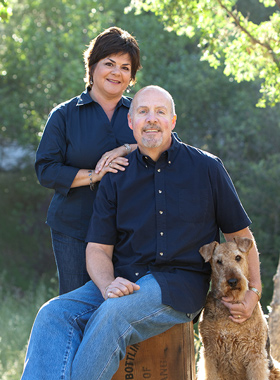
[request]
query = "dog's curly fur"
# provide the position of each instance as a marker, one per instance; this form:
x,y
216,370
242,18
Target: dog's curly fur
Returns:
x,y
230,350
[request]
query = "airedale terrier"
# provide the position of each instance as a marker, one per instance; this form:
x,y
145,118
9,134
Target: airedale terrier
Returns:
x,y
231,350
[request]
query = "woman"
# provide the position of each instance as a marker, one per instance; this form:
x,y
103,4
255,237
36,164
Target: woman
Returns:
x,y
84,138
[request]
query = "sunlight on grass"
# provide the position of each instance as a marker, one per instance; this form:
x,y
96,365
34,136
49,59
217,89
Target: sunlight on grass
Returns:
x,y
17,312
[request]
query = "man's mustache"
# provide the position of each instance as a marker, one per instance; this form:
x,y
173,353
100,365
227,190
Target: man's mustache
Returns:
x,y
151,126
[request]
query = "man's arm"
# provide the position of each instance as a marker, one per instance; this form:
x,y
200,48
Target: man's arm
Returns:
x,y
101,270
245,308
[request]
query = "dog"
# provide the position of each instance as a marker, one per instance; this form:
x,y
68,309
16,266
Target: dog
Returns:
x,y
230,350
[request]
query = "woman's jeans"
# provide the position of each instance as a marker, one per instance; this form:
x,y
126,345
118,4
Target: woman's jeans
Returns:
x,y
79,336
70,257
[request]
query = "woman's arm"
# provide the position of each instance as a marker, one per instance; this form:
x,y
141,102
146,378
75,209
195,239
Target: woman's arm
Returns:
x,y
86,177
51,155
109,157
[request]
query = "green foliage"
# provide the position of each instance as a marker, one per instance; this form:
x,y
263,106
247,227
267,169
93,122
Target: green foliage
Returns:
x,y
268,3
247,50
5,10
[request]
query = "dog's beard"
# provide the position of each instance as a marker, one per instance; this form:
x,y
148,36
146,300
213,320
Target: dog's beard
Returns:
x,y
223,289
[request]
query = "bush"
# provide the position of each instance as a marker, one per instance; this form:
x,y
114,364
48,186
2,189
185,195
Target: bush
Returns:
x,y
25,243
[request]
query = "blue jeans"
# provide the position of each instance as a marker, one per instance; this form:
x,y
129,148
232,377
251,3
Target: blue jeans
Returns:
x,y
70,260
79,336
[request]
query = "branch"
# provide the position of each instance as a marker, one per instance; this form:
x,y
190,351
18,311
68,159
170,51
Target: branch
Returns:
x,y
266,45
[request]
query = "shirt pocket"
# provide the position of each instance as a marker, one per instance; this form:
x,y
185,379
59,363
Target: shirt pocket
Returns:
x,y
193,207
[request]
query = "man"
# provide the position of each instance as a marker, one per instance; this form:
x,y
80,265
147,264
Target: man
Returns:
x,y
147,274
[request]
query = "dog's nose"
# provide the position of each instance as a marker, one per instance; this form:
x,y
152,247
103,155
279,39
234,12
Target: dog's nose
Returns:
x,y
232,282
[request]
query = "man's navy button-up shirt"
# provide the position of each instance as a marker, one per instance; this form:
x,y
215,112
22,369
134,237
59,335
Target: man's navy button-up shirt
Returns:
x,y
76,135
158,214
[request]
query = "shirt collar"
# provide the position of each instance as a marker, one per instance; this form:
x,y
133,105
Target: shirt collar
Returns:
x,y
125,101
85,98
167,156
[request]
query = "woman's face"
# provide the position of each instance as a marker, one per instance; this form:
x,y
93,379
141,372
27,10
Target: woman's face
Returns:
x,y
112,75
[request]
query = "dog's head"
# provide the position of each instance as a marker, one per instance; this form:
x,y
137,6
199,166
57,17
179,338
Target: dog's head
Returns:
x,y
229,267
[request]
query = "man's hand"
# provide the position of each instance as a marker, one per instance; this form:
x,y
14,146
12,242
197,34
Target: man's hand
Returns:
x,y
120,287
241,311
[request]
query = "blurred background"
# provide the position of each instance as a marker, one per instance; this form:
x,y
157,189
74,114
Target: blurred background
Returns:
x,y
41,65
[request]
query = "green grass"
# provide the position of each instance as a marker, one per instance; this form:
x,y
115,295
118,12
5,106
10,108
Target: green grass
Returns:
x,y
17,313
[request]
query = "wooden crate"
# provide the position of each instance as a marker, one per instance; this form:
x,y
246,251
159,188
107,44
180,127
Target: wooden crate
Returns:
x,y
168,356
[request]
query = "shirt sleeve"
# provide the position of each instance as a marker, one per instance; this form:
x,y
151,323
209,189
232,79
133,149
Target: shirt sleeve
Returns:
x,y
102,227
50,156
230,214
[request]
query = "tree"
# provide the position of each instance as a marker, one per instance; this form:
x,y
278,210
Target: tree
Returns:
x,y
226,36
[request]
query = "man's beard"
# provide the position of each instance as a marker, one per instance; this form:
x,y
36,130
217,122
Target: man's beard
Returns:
x,y
151,142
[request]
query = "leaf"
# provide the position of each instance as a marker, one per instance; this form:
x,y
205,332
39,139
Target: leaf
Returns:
x,y
249,51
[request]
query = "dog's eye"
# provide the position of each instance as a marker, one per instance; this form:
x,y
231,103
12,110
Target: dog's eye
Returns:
x,y
238,258
219,262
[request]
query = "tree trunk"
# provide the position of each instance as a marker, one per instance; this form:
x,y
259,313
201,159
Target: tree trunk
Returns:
x,y
274,317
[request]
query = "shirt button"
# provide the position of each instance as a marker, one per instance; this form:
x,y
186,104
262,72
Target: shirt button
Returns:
x,y
169,162
158,170
161,234
160,191
161,212
161,253
137,274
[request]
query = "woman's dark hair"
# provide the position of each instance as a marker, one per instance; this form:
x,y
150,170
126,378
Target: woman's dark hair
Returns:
x,y
112,41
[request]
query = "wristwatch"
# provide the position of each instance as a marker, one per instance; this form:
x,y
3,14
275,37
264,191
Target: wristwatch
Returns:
x,y
255,291
127,147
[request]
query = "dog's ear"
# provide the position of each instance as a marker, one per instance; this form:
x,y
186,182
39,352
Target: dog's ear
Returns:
x,y
207,250
243,244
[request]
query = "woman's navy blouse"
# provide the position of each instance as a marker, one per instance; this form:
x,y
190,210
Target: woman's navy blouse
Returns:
x,y
76,135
